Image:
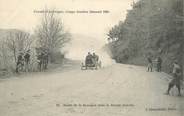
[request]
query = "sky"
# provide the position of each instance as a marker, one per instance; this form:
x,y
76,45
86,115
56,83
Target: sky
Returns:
x,y
20,14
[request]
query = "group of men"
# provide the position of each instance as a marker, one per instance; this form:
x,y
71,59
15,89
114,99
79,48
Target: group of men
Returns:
x,y
23,61
158,64
176,74
91,59
42,59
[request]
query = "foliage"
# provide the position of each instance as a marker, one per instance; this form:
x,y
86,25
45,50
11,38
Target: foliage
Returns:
x,y
153,28
51,34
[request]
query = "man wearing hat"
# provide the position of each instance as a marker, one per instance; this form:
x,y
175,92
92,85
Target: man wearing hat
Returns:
x,y
27,60
176,78
19,63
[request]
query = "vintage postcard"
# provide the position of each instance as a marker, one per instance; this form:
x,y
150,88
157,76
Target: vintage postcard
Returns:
x,y
91,58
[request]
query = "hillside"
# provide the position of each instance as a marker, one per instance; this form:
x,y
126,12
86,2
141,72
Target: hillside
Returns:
x,y
152,28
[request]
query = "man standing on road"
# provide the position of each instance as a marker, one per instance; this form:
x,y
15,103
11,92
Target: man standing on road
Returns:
x,y
45,60
159,64
19,64
27,60
150,64
177,75
40,61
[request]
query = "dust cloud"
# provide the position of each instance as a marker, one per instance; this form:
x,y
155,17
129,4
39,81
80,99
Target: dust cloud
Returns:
x,y
80,45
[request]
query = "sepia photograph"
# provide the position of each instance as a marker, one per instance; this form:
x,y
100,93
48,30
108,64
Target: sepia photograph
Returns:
x,y
91,57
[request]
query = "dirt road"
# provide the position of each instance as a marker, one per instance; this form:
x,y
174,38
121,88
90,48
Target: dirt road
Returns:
x,y
116,90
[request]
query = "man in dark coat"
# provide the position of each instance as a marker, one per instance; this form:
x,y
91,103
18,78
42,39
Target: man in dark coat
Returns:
x,y
150,64
27,60
40,61
19,63
159,64
89,59
45,59
177,75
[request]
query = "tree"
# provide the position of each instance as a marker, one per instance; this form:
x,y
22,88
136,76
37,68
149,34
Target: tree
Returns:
x,y
51,34
151,27
18,42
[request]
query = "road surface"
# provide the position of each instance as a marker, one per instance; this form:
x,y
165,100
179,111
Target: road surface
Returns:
x,y
116,90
